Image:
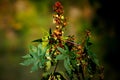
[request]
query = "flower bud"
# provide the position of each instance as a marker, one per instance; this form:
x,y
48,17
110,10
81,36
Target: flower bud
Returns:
x,y
56,15
54,21
62,17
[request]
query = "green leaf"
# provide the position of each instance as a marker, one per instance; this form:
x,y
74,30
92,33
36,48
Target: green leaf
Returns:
x,y
27,62
35,66
89,43
48,65
38,40
40,65
36,57
67,50
73,62
42,51
93,57
67,65
45,49
61,57
31,57
42,55
42,62
96,61
39,52
32,49
61,50
27,56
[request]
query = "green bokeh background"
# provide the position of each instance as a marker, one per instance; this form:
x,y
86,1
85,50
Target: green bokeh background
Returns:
x,y
22,21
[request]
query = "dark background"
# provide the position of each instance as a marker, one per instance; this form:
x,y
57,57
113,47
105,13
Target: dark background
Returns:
x,y
109,13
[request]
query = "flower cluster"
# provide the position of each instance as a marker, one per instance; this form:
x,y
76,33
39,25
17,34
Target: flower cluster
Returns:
x,y
59,18
58,8
60,21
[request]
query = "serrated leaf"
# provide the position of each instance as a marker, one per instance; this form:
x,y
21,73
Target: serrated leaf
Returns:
x,y
41,55
27,62
36,57
38,40
27,56
32,49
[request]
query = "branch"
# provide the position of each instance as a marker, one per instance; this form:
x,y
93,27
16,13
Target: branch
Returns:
x,y
74,43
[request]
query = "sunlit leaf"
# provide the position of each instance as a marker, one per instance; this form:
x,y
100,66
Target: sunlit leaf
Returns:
x,y
48,65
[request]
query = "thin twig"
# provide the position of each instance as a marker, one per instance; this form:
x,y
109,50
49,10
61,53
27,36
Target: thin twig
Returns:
x,y
74,43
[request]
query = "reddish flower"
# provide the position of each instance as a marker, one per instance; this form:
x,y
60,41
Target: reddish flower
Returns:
x,y
57,4
58,8
64,24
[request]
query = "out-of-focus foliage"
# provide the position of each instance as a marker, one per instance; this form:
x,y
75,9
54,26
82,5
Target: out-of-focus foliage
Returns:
x,y
22,21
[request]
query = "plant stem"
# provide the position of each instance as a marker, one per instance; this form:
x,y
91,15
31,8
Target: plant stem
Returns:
x,y
78,74
83,77
82,72
56,66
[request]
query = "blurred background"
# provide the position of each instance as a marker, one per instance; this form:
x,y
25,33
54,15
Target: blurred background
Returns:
x,y
22,21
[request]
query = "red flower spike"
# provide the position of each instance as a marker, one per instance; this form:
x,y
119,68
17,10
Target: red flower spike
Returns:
x,y
58,8
57,4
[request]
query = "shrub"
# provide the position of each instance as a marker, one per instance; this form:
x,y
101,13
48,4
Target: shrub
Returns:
x,y
56,50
